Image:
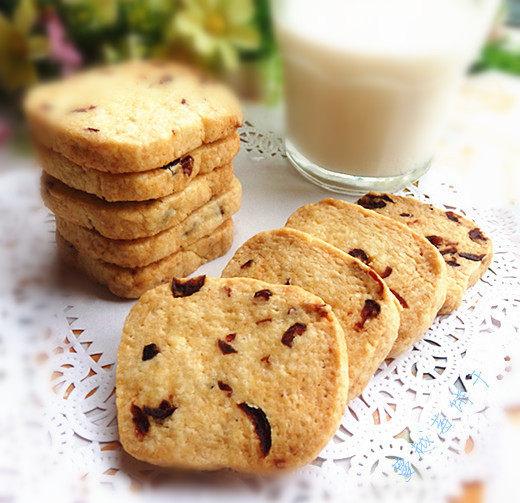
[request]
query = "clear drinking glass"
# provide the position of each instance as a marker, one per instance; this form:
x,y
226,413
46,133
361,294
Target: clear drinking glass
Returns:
x,y
369,83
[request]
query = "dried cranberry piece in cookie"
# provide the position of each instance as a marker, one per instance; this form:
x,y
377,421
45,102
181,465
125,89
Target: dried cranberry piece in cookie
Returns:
x,y
319,309
449,251
185,288
400,299
261,424
263,294
452,216
360,255
435,240
371,309
149,351
472,256
386,272
292,332
142,424
187,165
453,263
226,348
225,387
82,110
373,201
476,235
165,409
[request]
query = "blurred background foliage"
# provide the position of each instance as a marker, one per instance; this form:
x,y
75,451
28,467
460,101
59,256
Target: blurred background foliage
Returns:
x,y
233,39
42,39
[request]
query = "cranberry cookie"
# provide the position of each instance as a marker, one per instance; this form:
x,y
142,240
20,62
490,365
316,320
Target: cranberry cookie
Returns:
x,y
466,250
133,220
135,116
366,309
159,182
204,382
143,251
411,266
131,283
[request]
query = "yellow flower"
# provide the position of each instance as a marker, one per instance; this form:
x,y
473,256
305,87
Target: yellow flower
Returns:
x,y
216,30
18,48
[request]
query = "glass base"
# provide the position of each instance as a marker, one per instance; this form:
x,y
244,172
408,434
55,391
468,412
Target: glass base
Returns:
x,y
350,184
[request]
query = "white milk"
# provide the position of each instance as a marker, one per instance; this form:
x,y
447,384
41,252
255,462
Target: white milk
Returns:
x,y
369,82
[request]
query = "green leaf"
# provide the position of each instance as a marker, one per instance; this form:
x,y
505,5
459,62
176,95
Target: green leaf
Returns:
x,y
499,56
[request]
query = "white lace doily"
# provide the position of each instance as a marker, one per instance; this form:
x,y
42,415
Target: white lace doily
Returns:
x,y
60,441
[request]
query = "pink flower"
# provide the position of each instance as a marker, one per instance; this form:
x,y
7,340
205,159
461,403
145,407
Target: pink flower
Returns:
x,y
61,49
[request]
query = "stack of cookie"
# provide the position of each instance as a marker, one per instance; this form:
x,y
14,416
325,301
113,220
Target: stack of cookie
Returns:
x,y
137,169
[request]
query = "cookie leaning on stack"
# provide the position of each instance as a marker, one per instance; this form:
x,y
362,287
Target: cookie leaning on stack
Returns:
x,y
137,168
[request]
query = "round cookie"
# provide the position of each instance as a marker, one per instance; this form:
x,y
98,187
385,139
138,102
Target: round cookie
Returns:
x,y
144,251
160,182
466,250
203,383
134,116
366,309
412,267
133,220
131,283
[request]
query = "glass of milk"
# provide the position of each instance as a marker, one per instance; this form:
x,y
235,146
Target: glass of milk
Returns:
x,y
369,83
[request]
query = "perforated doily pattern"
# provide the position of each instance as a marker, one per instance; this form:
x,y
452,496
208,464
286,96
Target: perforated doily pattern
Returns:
x,y
65,435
